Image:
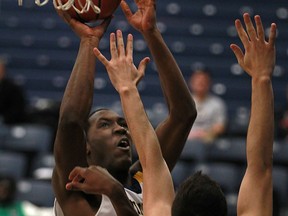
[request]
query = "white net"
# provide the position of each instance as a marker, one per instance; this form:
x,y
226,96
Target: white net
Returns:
x,y
70,3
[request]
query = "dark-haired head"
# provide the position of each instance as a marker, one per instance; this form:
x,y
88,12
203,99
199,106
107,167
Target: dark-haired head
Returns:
x,y
104,131
97,110
199,195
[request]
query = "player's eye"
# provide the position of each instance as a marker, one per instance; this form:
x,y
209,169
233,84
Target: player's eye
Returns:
x,y
124,125
104,124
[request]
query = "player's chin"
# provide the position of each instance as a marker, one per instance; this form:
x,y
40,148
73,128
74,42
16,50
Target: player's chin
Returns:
x,y
124,163
123,158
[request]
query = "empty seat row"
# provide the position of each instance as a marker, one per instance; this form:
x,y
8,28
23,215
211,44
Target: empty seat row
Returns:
x,y
229,149
38,192
19,166
26,137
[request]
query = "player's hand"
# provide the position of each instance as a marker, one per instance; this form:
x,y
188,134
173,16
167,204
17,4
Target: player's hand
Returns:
x,y
91,180
144,19
259,57
121,69
82,30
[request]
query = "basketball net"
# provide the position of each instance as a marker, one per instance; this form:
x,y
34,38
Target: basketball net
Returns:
x,y
70,3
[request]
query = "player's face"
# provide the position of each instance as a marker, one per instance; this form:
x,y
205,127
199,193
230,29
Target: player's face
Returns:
x,y
109,141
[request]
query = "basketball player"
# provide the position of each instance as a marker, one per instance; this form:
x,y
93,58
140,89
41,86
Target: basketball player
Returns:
x,y
102,138
157,179
199,195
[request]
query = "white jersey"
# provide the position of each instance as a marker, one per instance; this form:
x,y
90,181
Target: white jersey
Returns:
x,y
106,208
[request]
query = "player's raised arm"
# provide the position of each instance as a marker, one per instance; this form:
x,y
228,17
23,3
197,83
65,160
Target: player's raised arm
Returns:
x,y
70,142
158,188
258,60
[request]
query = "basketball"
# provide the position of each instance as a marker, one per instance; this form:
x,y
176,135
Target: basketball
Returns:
x,y
88,10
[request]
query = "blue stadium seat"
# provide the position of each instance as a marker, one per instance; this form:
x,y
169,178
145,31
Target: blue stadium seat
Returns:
x,y
280,152
42,166
180,172
229,150
219,172
238,119
38,192
194,151
13,164
232,199
280,184
3,133
31,138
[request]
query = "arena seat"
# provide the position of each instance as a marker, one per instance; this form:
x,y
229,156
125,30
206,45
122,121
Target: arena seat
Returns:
x,y
13,164
38,192
42,166
230,150
34,138
219,172
194,151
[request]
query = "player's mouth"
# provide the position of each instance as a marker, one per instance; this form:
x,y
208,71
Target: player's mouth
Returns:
x,y
124,144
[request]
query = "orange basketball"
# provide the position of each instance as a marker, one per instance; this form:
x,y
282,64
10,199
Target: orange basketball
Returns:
x,y
87,9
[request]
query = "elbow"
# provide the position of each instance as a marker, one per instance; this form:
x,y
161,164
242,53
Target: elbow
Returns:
x,y
187,114
268,164
190,110
193,112
263,166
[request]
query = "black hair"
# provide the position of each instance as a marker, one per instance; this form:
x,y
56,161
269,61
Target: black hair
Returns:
x,y
87,125
199,195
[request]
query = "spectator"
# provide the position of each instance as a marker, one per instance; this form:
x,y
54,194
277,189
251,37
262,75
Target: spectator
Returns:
x,y
12,99
8,205
211,119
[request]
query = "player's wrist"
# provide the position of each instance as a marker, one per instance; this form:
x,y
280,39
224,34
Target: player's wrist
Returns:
x,y
261,79
91,41
127,89
115,190
153,32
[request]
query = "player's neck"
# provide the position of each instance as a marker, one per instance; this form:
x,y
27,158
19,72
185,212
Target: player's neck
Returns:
x,y
122,177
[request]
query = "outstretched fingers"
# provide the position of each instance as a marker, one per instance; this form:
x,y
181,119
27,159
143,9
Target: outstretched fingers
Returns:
x,y
120,43
238,53
100,57
142,65
249,27
272,35
260,29
65,16
242,33
126,9
129,46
